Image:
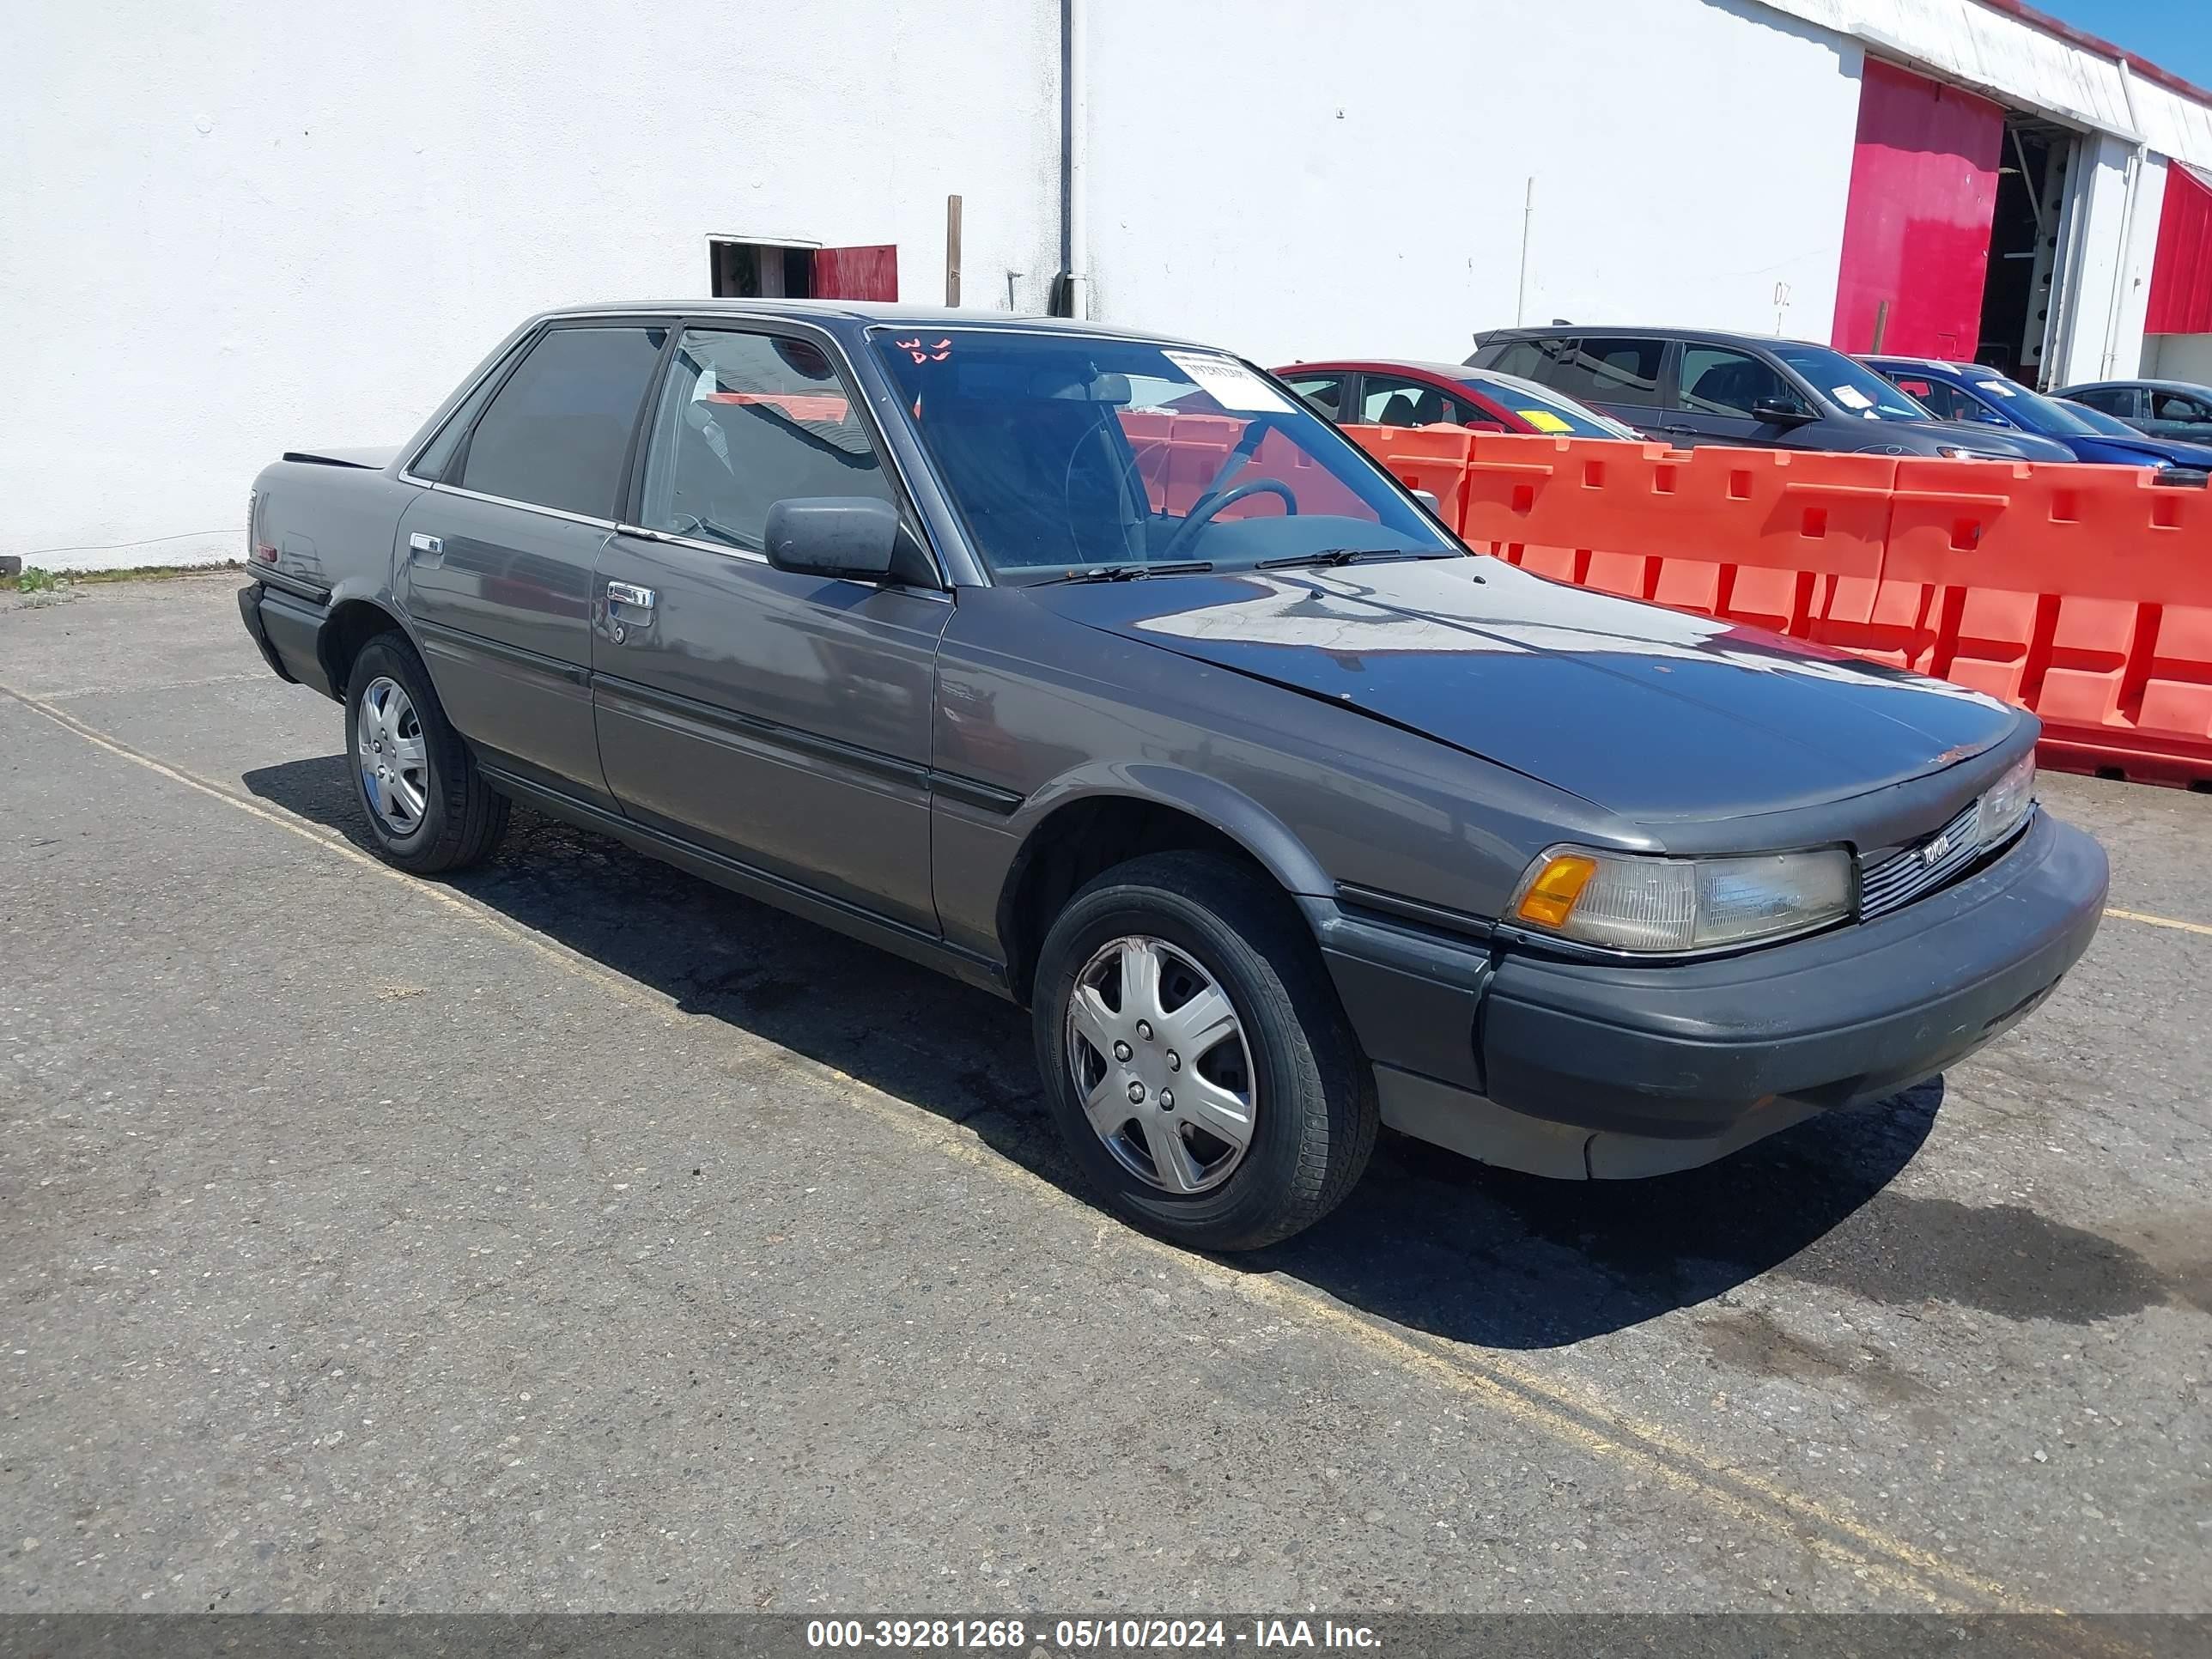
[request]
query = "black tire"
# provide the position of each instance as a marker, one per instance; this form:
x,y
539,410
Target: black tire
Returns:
x,y
463,817
1314,1121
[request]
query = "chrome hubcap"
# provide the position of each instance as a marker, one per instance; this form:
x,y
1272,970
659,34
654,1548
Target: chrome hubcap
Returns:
x,y
1159,1061
395,767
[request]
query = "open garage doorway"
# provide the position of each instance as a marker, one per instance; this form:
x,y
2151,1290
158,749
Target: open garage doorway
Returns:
x,y
1954,236
2027,233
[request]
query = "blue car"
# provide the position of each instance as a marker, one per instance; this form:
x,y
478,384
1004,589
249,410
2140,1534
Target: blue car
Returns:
x,y
1976,393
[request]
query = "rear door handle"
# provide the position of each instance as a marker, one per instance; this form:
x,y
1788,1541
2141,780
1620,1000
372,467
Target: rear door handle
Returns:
x,y
426,550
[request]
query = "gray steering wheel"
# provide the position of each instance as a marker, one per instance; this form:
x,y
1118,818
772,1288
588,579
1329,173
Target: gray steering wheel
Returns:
x,y
1203,513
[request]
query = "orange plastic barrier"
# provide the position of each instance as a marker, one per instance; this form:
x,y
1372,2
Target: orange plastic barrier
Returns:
x,y
2083,592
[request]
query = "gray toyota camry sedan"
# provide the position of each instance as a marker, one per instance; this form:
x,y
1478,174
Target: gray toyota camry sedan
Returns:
x,y
1094,669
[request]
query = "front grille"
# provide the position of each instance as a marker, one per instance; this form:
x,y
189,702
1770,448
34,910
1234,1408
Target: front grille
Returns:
x,y
1903,875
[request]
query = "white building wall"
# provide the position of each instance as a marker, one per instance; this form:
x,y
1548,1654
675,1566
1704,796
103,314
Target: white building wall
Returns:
x,y
233,228
2177,357
1350,180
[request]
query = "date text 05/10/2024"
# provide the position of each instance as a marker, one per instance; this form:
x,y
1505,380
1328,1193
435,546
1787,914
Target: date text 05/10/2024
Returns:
x,y
1087,1635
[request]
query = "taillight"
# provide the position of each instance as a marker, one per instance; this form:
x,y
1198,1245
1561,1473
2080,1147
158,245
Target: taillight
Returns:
x,y
255,547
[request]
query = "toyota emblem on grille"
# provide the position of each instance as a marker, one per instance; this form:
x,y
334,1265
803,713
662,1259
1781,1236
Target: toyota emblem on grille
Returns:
x,y
1936,850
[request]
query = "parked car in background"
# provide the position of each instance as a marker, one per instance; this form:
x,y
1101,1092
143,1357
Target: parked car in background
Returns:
x,y
1976,392
1687,388
923,625
2164,409
1383,392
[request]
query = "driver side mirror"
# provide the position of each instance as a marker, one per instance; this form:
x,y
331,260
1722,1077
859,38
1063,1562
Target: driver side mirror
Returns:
x,y
855,538
1775,411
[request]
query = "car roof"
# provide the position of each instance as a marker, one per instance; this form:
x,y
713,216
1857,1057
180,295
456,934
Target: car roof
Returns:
x,y
1706,336
1941,366
857,314
2196,388
1349,365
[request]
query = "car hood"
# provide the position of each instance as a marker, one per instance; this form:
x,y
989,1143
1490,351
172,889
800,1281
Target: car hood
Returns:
x,y
2151,451
1654,714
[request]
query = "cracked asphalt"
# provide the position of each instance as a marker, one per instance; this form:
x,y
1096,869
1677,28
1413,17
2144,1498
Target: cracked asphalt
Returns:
x,y
575,1236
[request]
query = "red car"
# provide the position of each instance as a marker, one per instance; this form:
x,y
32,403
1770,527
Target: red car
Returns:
x,y
1378,392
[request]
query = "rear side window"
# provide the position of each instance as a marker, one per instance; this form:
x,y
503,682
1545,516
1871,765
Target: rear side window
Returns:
x,y
1325,392
2177,406
2112,399
1532,360
438,454
1609,368
1718,381
557,434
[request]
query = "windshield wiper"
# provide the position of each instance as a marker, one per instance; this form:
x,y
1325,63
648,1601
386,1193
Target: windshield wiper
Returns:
x,y
1331,557
1130,573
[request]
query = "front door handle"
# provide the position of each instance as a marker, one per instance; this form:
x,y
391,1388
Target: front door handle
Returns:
x,y
425,549
628,593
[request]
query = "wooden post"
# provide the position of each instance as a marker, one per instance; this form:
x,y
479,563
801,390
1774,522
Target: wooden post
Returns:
x,y
953,250
1880,326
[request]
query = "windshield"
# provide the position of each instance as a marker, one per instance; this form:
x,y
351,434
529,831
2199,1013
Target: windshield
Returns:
x,y
2109,425
1065,453
1547,410
1859,390
2032,408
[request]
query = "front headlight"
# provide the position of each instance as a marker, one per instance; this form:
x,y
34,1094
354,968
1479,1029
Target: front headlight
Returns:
x,y
1626,901
2006,802
1959,453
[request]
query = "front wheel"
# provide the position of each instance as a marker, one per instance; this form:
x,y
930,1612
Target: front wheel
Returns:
x,y
429,809
1194,1055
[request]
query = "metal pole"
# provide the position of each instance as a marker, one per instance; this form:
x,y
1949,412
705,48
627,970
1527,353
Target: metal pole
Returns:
x,y
1881,325
1528,220
952,251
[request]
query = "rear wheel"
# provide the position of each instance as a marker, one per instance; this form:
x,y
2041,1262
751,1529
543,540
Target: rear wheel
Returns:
x,y
428,808
1194,1055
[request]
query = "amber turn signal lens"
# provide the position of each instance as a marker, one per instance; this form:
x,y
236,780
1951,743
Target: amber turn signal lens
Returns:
x,y
1550,897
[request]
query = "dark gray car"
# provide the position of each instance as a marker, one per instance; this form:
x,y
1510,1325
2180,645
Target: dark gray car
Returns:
x,y
1692,387
1098,671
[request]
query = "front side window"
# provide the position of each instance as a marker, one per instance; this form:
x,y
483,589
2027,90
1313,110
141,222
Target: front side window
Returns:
x,y
1856,389
558,431
746,421
1717,381
1064,452
1385,402
1606,368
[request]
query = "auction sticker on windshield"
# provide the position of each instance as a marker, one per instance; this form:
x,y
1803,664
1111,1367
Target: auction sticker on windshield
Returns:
x,y
1231,384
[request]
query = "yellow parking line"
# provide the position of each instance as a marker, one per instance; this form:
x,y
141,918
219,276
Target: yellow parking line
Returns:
x,y
1573,1414
2159,921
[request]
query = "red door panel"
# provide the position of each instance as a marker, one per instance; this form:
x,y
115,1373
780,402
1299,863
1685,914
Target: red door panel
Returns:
x,y
1916,231
856,273
2181,275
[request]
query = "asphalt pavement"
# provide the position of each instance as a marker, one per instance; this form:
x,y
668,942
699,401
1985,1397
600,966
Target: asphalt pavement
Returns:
x,y
574,1235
